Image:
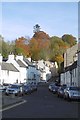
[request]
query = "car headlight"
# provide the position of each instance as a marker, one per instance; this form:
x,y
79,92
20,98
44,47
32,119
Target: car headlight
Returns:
x,y
15,91
6,90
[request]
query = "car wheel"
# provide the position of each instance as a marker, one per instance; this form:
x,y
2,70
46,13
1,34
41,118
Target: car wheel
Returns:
x,y
64,97
68,98
58,95
7,94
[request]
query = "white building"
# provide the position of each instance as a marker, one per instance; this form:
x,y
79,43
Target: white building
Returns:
x,y
44,70
18,69
17,62
10,74
70,55
7,72
78,65
33,72
69,75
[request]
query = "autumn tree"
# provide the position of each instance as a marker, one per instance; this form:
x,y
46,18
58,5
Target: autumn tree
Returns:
x,y
69,39
39,45
57,48
21,46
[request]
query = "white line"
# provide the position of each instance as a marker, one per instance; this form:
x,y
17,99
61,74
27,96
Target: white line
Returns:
x,y
16,104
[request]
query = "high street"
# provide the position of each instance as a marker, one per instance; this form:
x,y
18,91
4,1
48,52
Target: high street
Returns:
x,y
43,104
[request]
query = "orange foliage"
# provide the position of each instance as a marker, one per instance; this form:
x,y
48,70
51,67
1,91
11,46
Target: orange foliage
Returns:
x,y
23,48
59,58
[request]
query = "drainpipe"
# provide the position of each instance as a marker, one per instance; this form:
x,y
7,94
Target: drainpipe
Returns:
x,y
71,77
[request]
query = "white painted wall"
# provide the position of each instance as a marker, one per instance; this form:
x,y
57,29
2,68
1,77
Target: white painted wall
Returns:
x,y
45,74
8,76
5,76
22,71
0,58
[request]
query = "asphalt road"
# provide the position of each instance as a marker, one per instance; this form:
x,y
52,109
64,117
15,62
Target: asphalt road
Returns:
x,y
43,104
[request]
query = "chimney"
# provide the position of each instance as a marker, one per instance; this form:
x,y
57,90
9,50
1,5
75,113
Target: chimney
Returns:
x,y
19,57
10,57
29,59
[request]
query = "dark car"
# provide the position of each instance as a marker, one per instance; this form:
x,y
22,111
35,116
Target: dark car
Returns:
x,y
50,86
53,87
27,89
60,91
33,86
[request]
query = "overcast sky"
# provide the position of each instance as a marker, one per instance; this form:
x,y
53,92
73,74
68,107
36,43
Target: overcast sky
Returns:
x,y
54,18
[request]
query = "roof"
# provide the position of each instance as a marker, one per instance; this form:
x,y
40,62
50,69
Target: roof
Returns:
x,y
28,62
21,64
71,67
8,66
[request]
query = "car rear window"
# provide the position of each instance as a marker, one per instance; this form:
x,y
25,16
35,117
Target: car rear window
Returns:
x,y
14,86
75,88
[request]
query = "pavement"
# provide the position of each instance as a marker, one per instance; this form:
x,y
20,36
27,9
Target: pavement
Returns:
x,y
6,101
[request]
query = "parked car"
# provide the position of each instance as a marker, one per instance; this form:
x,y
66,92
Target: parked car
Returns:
x,y
33,86
6,85
60,91
15,89
27,89
2,89
53,87
50,86
72,93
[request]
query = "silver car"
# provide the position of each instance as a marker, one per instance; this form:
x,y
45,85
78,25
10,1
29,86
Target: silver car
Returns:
x,y
72,93
14,89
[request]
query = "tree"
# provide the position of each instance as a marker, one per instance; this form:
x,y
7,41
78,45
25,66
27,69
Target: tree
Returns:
x,y
57,48
1,39
36,28
34,49
21,46
39,45
69,39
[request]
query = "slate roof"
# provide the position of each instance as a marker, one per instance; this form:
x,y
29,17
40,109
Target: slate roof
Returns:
x,y
21,64
8,66
73,66
69,68
28,62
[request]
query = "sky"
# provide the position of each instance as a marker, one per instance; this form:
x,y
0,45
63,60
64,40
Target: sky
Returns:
x,y
54,18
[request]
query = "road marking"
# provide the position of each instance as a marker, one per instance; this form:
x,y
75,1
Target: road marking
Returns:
x,y
16,104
